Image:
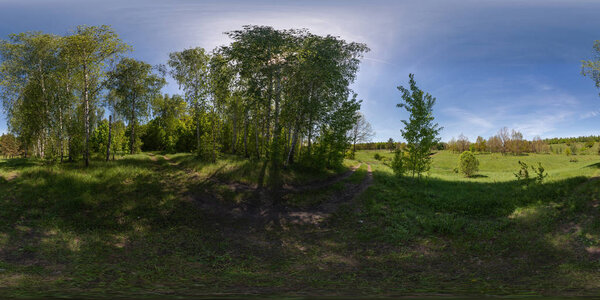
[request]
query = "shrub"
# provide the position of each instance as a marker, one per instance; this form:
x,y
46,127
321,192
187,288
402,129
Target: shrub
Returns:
x,y
349,154
567,151
377,156
399,163
573,149
468,163
539,173
523,173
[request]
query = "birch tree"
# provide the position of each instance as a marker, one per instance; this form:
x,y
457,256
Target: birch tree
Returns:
x,y
420,132
91,49
134,86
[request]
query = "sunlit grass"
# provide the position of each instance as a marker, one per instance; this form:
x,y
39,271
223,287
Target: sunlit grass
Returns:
x,y
497,167
131,226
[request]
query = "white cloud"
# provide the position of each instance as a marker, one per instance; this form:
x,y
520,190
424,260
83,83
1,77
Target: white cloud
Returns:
x,y
590,114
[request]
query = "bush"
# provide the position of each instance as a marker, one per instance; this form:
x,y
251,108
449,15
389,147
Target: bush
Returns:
x,y
567,151
349,154
468,164
573,149
399,163
539,173
523,173
377,156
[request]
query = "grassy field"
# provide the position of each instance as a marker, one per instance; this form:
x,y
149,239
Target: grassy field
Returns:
x,y
133,227
495,167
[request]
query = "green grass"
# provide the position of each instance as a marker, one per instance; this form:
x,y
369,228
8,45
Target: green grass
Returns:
x,y
495,167
132,228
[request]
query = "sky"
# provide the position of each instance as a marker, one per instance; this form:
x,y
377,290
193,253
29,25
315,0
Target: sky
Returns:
x,y
489,63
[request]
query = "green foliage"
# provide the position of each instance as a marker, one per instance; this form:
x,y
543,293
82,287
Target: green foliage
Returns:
x,y
99,137
164,131
9,146
523,173
573,148
133,87
568,151
377,156
391,145
540,173
399,162
420,133
591,68
468,164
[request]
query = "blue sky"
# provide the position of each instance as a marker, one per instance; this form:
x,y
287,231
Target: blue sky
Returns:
x,y
489,63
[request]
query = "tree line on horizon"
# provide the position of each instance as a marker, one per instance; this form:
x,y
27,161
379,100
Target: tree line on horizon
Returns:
x,y
279,95
512,144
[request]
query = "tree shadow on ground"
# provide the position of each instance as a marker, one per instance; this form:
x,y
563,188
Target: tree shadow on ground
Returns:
x,y
120,227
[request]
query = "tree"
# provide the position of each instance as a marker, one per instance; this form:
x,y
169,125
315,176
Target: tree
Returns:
x,y
361,131
462,143
420,133
516,142
399,162
134,86
30,77
162,131
90,49
480,144
297,83
494,144
190,68
537,144
591,68
391,144
468,164
9,146
505,141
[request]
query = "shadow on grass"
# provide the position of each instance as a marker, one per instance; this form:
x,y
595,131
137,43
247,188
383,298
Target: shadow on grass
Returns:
x,y
119,226
479,176
596,165
18,163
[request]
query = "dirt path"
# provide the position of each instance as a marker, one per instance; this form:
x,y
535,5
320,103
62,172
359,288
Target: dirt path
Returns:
x,y
325,209
314,185
168,160
319,184
281,214
208,201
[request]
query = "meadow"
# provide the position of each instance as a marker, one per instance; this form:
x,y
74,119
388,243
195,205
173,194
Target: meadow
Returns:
x,y
160,225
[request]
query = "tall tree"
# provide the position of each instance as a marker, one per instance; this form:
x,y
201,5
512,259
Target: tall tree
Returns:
x,y
420,133
30,85
91,49
190,68
361,131
134,85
